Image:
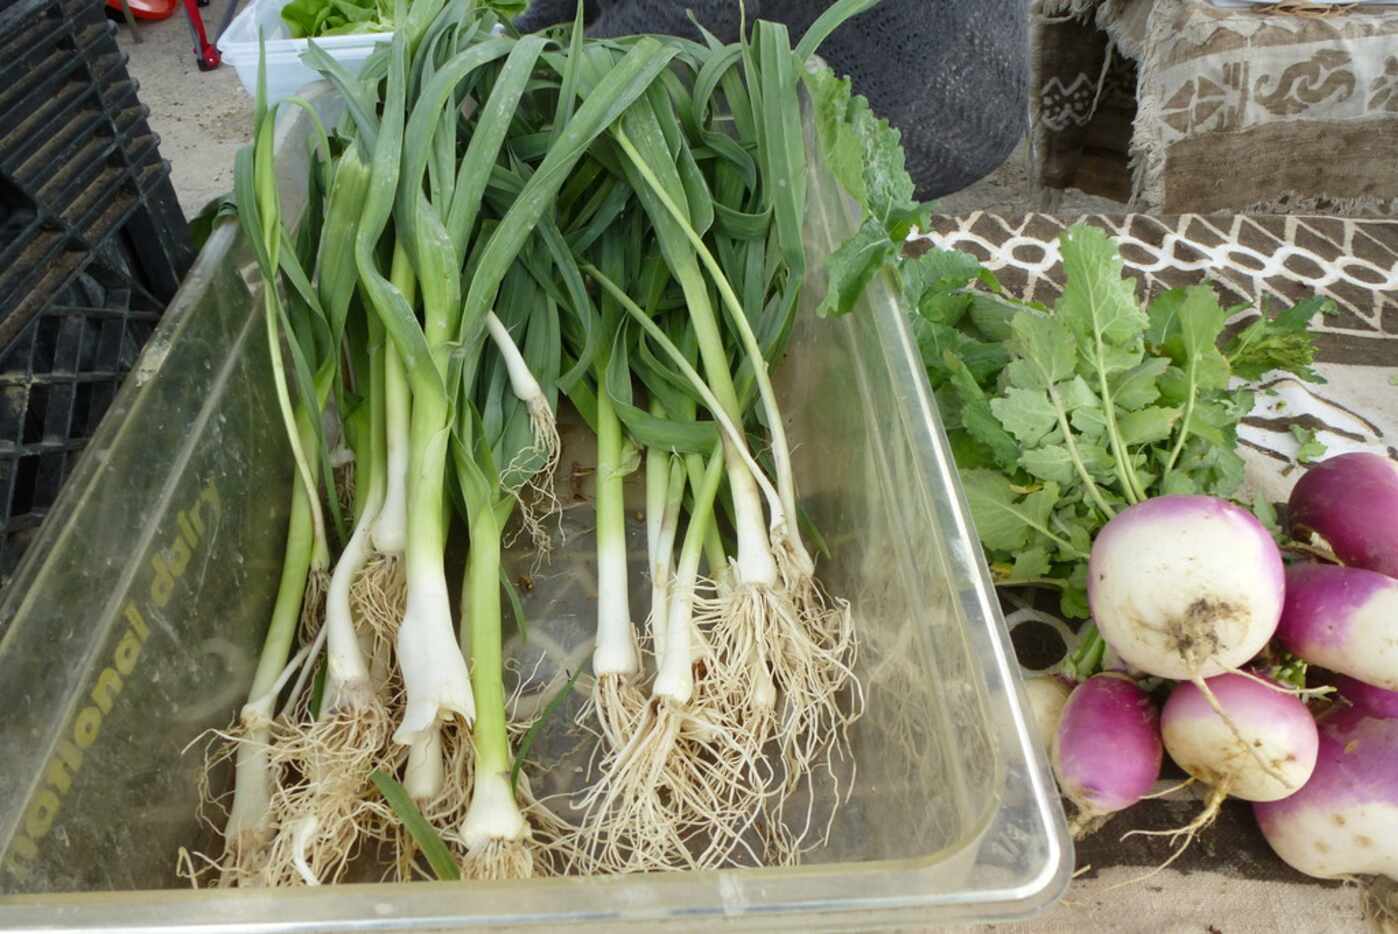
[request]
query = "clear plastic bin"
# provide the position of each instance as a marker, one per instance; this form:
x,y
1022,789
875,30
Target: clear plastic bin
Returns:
x,y
134,623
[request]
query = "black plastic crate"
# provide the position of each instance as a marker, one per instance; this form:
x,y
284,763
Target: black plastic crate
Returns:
x,y
93,244
57,379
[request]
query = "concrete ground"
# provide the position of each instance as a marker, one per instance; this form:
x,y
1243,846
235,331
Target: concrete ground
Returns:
x,y
203,117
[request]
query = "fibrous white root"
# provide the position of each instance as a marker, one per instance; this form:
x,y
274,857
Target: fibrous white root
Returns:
x,y
665,801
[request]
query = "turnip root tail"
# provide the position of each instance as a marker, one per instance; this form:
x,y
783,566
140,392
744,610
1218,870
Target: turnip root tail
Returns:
x,y
1282,688
1247,744
1085,823
1164,792
1379,897
1217,795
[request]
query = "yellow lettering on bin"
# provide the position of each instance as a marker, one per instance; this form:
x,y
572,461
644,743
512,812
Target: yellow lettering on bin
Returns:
x,y
24,848
57,775
136,621
87,726
178,556
163,586
108,684
127,652
63,765
71,755
195,521
38,817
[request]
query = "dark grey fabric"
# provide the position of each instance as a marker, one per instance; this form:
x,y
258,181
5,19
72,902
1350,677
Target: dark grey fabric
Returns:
x,y
951,75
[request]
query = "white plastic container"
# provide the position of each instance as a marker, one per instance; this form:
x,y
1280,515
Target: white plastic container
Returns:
x,y
286,73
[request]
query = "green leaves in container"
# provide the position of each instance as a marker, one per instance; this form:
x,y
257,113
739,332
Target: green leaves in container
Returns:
x,y
302,16
313,18
609,96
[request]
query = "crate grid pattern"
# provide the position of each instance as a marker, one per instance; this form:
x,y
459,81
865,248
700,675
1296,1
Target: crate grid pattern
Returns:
x,y
92,245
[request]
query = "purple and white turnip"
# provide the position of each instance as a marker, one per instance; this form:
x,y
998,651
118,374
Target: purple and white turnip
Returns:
x,y
1185,587
1344,619
1264,750
1344,822
1106,751
1351,501
1375,702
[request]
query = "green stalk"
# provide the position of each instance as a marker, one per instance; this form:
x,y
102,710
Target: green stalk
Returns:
x,y
657,479
248,822
296,565
614,653
684,266
371,452
675,678
1188,415
427,462
781,453
493,815
487,659
714,554
268,207
701,516
390,529
732,434
1124,473
1091,485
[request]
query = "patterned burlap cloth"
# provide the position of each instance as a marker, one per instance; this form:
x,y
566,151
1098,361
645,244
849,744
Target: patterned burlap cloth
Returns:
x,y
1181,106
1229,882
